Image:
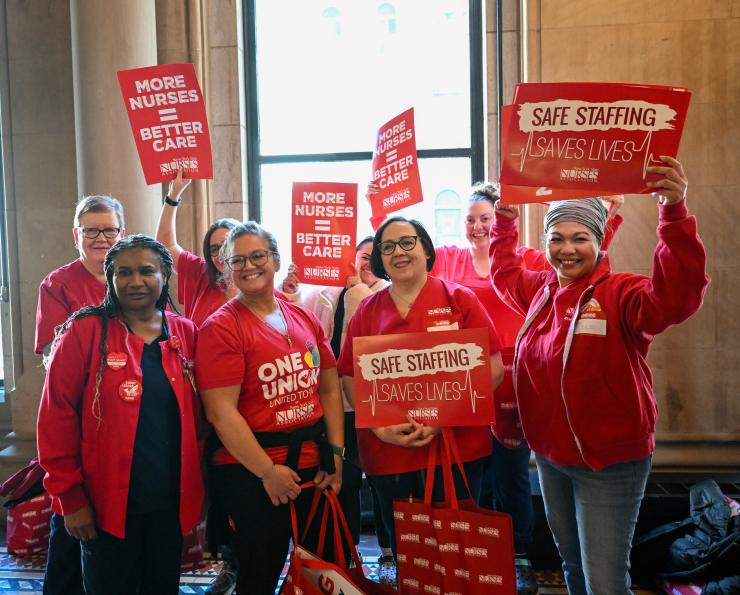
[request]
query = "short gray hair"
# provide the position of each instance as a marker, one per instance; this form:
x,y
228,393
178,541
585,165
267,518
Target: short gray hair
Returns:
x,y
99,204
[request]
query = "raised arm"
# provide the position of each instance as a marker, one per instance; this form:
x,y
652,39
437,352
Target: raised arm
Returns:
x,y
166,226
513,282
676,288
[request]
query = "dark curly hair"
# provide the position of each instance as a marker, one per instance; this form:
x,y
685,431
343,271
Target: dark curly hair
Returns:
x,y
111,307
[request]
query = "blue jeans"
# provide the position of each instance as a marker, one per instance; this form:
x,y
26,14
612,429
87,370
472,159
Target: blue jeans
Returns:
x,y
505,488
592,516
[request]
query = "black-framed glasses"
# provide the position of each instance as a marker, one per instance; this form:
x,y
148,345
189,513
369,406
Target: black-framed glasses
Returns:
x,y
91,233
214,249
407,244
257,258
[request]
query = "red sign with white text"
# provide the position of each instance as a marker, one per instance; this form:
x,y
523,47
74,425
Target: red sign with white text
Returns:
x,y
168,118
440,378
324,231
395,166
571,140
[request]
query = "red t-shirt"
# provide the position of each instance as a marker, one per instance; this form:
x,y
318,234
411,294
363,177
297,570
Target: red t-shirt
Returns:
x,y
61,293
439,302
198,298
279,384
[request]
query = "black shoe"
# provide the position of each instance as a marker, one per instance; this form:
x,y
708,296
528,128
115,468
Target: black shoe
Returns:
x,y
224,583
526,579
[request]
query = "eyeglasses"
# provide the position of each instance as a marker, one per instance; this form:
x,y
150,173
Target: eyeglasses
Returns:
x,y
257,258
214,249
91,233
407,244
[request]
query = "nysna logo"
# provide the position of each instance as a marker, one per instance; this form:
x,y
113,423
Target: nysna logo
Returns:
x,y
449,547
440,312
432,589
437,524
398,515
460,526
402,558
476,552
411,537
462,573
411,582
579,174
441,569
29,514
490,579
423,562
430,541
489,531
420,518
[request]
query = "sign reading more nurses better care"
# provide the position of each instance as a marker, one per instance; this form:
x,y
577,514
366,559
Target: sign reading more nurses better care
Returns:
x,y
168,118
570,140
395,166
324,231
440,379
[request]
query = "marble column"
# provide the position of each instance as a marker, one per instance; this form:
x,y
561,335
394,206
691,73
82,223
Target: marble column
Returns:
x,y
107,37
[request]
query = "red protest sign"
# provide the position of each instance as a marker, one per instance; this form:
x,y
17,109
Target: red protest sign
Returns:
x,y
441,378
588,139
395,166
168,119
324,231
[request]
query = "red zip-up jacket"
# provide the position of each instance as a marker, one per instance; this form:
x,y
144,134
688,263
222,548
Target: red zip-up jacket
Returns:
x,y
583,384
88,463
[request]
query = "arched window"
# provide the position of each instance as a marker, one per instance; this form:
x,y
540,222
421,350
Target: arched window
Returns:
x,y
447,218
333,18
387,14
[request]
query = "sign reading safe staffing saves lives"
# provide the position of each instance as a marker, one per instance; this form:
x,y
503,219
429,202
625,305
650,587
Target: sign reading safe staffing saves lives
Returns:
x,y
590,138
324,231
395,166
441,378
168,118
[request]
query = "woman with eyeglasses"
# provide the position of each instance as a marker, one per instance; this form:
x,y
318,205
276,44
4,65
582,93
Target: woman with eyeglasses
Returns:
x,y
272,395
394,456
98,223
202,286
118,427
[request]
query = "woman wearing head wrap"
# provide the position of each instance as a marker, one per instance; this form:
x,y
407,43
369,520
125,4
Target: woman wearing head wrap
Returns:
x,y
583,385
118,425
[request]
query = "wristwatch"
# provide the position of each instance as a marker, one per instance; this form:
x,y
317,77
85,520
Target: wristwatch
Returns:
x,y
338,450
172,203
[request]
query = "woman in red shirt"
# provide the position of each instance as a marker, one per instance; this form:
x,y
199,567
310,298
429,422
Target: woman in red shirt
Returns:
x,y
583,384
117,427
202,285
271,392
395,456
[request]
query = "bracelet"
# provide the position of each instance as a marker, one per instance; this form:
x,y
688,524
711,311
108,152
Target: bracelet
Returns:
x,y
264,477
338,450
172,203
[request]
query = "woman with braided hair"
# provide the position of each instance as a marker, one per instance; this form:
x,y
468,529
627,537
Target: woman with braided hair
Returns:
x,y
117,427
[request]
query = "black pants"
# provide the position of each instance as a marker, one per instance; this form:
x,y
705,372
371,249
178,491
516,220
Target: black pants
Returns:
x,y
147,561
263,530
411,484
63,575
349,496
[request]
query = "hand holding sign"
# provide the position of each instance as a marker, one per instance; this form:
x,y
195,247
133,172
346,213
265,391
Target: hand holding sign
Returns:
x,y
178,186
674,185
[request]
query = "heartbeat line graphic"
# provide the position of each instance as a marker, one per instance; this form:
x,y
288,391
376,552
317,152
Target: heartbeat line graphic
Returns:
x,y
648,161
472,394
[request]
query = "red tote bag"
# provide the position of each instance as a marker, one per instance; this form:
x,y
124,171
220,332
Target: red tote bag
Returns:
x,y
453,546
310,575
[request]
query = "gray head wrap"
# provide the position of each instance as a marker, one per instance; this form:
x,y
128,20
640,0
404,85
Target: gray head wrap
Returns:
x,y
587,211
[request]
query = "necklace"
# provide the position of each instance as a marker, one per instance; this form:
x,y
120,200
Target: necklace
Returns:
x,y
409,303
284,330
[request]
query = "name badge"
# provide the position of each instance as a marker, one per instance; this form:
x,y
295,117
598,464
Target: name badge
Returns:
x,y
444,326
116,360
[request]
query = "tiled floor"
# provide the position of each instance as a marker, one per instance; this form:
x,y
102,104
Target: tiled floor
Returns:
x,y
24,576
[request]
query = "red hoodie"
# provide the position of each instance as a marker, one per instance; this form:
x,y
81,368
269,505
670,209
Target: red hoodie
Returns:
x,y
583,385
89,464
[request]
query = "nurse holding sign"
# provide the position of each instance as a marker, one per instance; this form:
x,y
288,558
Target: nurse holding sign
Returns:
x,y
394,455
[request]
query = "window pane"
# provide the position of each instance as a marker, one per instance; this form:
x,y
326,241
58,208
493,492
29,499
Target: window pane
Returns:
x,y
330,72
440,177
